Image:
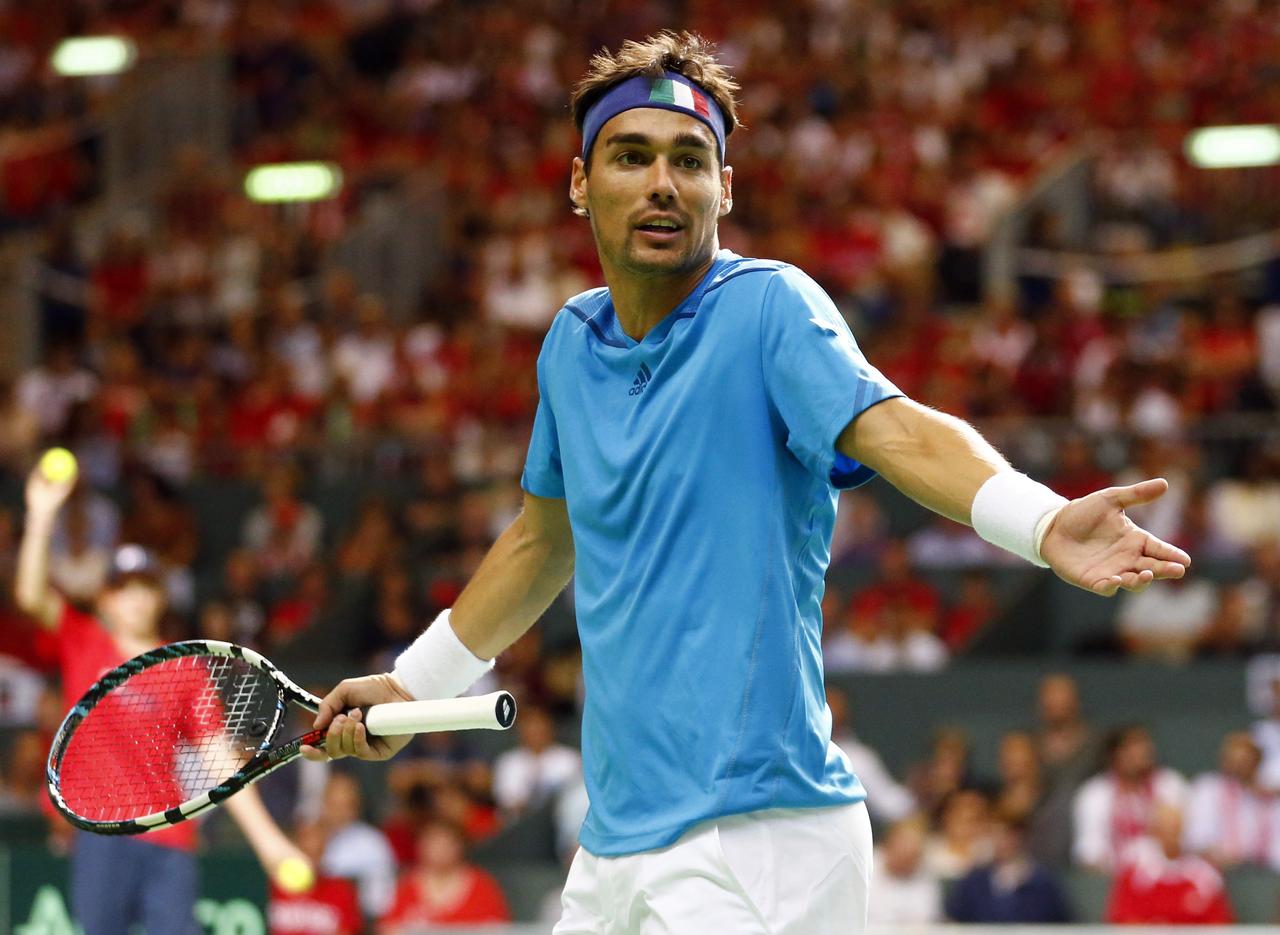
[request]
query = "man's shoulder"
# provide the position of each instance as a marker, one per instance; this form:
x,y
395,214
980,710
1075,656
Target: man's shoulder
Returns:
x,y
583,305
79,626
513,758
579,313
786,292
1206,782
359,834
1169,781
746,271
1099,784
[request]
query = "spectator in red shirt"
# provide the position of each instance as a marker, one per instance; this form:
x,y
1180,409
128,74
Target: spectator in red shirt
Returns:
x,y
116,881
1159,884
299,610
443,889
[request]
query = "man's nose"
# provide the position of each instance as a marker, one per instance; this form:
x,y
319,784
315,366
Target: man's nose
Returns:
x,y
662,185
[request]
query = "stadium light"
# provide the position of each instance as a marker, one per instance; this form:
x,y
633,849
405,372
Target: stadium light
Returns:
x,y
1234,147
87,56
293,181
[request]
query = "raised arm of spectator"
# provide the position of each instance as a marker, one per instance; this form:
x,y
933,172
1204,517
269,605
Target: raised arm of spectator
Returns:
x,y
519,578
270,844
944,464
33,593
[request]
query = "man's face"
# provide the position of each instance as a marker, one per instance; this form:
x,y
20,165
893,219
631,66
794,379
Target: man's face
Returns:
x,y
1059,702
133,608
653,167
341,801
1136,756
1240,758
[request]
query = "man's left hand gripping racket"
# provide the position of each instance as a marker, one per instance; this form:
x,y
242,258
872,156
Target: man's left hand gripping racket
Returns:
x,y
179,729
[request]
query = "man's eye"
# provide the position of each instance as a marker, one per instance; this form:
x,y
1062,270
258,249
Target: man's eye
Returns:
x,y
629,158
690,162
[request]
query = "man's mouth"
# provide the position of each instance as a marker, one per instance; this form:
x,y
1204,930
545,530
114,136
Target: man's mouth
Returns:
x,y
660,229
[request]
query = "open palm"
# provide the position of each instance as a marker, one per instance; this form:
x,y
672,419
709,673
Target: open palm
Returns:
x,y
1094,545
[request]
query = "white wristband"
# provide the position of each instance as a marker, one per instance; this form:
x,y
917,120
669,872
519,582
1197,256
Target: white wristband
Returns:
x,y
1013,511
437,665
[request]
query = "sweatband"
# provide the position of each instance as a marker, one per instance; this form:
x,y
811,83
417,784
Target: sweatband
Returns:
x,y
673,91
1014,512
437,665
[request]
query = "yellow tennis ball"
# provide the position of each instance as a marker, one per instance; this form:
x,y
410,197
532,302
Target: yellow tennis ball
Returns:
x,y
294,875
58,465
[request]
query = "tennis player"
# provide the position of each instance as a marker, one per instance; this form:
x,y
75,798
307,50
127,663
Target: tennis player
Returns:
x,y
697,420
117,881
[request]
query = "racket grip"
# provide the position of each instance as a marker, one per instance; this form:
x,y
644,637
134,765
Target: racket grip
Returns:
x,y
496,711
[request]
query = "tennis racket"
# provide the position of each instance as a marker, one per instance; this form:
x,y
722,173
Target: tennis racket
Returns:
x,y
177,730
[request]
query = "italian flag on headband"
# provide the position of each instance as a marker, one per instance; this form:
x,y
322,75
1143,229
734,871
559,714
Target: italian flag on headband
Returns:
x,y
669,91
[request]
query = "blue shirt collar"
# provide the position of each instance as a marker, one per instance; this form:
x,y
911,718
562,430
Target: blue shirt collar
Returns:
x,y
688,307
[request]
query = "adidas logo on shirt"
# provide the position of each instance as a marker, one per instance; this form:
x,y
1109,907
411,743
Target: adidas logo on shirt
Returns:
x,y
643,376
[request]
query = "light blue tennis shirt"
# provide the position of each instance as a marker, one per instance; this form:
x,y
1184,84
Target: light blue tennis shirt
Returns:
x,y
700,475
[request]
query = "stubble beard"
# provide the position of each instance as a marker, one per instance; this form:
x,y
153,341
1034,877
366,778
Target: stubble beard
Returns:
x,y
651,262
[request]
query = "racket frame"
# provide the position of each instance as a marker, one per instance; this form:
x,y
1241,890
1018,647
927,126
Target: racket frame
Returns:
x,y
264,761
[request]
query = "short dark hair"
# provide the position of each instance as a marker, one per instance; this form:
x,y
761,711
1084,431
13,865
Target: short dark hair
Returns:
x,y
685,53
1117,737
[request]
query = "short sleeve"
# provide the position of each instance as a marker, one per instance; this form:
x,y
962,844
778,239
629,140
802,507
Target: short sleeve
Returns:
x,y
543,476
816,375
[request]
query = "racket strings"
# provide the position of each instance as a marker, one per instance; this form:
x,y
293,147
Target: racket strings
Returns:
x,y
170,733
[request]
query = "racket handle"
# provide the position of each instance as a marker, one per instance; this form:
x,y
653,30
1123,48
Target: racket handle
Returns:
x,y
496,711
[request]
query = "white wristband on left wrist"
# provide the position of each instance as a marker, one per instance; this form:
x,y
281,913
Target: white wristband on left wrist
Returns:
x,y
1014,512
437,664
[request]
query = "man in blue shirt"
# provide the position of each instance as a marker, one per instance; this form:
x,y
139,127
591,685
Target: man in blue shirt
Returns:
x,y
696,422
1010,888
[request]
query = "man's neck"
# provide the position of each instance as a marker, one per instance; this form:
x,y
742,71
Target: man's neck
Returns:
x,y
640,302
134,645
1063,738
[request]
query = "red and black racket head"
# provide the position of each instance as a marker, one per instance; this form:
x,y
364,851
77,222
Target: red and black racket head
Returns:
x,y
165,736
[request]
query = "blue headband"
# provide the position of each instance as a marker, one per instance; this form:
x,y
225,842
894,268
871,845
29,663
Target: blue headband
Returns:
x,y
673,91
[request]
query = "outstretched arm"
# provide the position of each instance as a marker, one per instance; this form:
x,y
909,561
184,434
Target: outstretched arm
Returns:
x,y
942,462
33,593
524,571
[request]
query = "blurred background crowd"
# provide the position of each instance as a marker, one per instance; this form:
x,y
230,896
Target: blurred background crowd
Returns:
x,y
320,465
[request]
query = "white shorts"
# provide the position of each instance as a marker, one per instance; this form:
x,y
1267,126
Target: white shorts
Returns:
x,y
776,872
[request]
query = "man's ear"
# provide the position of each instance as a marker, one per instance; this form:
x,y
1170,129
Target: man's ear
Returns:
x,y
578,185
726,190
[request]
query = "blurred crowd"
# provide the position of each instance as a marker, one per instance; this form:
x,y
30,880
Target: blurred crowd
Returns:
x,y
210,341
211,337
953,843
973,848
